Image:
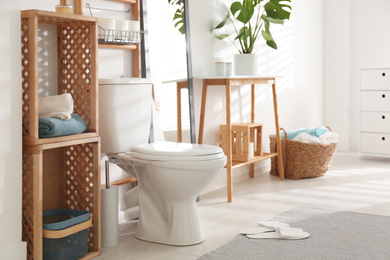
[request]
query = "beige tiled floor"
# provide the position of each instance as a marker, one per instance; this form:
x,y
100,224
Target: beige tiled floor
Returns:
x,y
354,183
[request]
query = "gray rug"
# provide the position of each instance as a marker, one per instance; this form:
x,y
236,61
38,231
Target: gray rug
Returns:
x,y
333,235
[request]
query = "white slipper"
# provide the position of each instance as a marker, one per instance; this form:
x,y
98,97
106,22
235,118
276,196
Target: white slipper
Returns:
x,y
266,226
257,230
272,224
283,233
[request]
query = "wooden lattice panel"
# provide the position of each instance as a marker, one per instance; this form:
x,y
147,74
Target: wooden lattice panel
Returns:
x,y
25,77
79,179
75,68
61,172
75,64
27,203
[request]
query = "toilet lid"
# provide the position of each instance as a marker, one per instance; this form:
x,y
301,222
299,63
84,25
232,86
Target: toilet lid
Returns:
x,y
170,151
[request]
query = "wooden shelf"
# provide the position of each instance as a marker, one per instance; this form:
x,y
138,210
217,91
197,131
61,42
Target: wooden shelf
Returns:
x,y
253,160
52,145
58,140
78,9
118,46
132,2
61,172
55,18
228,82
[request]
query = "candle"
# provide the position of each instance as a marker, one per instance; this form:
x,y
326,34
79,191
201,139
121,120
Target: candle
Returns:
x,y
251,151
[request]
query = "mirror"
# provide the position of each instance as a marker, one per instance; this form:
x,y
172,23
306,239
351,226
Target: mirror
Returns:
x,y
168,55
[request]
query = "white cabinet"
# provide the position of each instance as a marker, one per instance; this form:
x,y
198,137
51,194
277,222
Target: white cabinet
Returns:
x,y
375,79
375,111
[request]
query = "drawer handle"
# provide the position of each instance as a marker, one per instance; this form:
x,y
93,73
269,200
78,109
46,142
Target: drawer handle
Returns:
x,y
383,74
383,138
383,117
383,95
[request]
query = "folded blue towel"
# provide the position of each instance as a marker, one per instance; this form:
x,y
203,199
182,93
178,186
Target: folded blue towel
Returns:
x,y
314,131
54,127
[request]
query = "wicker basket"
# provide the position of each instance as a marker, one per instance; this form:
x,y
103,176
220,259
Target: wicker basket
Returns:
x,y
302,160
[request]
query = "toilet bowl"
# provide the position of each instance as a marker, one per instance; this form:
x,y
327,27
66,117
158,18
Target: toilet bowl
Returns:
x,y
170,176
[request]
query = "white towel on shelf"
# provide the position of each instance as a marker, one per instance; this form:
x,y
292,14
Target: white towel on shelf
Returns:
x,y
59,106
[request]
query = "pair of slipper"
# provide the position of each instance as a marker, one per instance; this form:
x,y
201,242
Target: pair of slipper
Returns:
x,y
276,230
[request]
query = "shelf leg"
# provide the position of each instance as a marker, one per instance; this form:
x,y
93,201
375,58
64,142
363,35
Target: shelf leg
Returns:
x,y
37,206
252,166
253,103
252,171
278,141
202,112
229,144
178,100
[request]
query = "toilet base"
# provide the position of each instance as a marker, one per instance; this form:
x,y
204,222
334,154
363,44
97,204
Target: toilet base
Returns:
x,y
176,224
169,244
168,185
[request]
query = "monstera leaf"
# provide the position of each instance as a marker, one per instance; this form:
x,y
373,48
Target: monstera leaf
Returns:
x,y
178,17
277,10
255,17
242,12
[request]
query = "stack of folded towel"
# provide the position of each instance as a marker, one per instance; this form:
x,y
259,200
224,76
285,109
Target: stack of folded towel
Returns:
x,y
314,131
313,135
59,106
56,117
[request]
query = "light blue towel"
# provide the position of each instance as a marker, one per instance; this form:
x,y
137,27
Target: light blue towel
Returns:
x,y
54,127
314,131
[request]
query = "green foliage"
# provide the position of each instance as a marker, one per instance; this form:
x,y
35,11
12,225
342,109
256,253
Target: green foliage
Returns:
x,y
254,16
178,17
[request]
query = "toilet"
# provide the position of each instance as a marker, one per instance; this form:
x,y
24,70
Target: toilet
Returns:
x,y
170,175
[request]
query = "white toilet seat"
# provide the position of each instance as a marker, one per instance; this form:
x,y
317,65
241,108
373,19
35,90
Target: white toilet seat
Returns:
x,y
176,152
168,158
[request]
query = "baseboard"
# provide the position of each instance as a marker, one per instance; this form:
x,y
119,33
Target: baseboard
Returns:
x,y
239,174
14,252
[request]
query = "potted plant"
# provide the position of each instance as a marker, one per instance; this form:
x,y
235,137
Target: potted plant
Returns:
x,y
251,21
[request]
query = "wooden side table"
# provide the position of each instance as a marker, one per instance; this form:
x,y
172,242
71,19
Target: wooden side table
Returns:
x,y
239,81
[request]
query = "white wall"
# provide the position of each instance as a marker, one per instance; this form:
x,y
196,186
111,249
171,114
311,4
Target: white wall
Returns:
x,y
355,37
369,47
11,246
299,60
336,69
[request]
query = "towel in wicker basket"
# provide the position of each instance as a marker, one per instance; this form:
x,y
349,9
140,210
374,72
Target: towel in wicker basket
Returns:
x,y
302,160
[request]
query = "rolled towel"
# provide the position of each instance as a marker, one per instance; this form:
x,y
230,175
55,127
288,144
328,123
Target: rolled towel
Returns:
x,y
314,131
54,127
59,106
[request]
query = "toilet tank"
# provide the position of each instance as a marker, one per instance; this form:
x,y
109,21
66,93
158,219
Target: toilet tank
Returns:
x,y
125,113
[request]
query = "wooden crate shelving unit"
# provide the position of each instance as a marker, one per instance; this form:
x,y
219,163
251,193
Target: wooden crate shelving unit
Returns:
x,y
242,135
61,172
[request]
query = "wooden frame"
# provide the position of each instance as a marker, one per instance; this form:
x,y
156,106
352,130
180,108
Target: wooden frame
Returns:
x,y
83,83
61,176
61,172
78,9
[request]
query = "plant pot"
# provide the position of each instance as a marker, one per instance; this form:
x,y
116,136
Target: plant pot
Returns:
x,y
245,64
